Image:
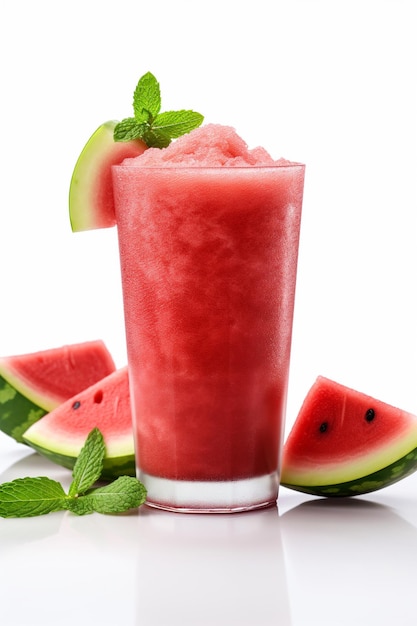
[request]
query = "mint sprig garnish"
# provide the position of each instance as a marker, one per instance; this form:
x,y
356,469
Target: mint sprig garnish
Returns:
x,y
27,497
156,129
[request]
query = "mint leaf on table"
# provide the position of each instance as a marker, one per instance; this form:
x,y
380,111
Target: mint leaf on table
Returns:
x,y
89,464
121,495
81,505
156,129
27,497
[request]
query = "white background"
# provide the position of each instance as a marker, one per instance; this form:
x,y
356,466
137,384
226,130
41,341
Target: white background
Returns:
x,y
328,83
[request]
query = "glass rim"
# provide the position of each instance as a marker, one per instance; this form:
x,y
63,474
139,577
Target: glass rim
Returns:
x,y
215,168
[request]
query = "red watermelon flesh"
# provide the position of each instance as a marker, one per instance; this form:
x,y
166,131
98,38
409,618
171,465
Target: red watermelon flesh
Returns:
x,y
103,214
61,434
341,434
50,377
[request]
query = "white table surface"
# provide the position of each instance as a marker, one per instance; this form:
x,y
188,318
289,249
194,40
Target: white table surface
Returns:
x,y
330,84
307,562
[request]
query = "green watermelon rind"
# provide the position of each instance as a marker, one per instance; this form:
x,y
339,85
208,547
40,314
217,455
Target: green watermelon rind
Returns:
x,y
119,459
112,466
36,398
17,412
84,178
388,475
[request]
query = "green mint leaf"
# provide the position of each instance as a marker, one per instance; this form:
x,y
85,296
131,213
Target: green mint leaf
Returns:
x,y
129,129
80,506
89,464
125,493
154,128
147,98
26,497
177,123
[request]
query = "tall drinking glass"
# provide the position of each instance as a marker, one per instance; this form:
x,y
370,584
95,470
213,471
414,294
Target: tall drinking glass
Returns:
x,y
208,263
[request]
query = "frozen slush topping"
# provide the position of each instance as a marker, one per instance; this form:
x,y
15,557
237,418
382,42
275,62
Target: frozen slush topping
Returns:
x,y
212,145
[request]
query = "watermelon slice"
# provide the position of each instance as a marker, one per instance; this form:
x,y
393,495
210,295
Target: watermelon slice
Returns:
x,y
345,443
91,202
60,435
33,384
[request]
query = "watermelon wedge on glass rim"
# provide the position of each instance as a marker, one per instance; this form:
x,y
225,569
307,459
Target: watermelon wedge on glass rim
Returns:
x,y
33,384
91,203
346,443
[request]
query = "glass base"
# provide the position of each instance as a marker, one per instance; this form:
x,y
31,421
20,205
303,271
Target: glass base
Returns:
x,y
232,496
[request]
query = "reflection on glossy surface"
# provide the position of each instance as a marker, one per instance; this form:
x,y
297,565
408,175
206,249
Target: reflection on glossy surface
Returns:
x,y
146,568
31,464
55,569
211,569
352,561
335,562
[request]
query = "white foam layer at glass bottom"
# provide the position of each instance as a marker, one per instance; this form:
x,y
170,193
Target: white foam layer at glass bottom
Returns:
x,y
210,496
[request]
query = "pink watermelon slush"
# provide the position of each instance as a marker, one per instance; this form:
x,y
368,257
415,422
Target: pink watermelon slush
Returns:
x,y
208,236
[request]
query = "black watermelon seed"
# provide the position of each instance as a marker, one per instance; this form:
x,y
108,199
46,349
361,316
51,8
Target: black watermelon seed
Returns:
x,y
369,415
323,427
76,405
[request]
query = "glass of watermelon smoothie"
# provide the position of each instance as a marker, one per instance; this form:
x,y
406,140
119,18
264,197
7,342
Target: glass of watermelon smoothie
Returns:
x,y
208,235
